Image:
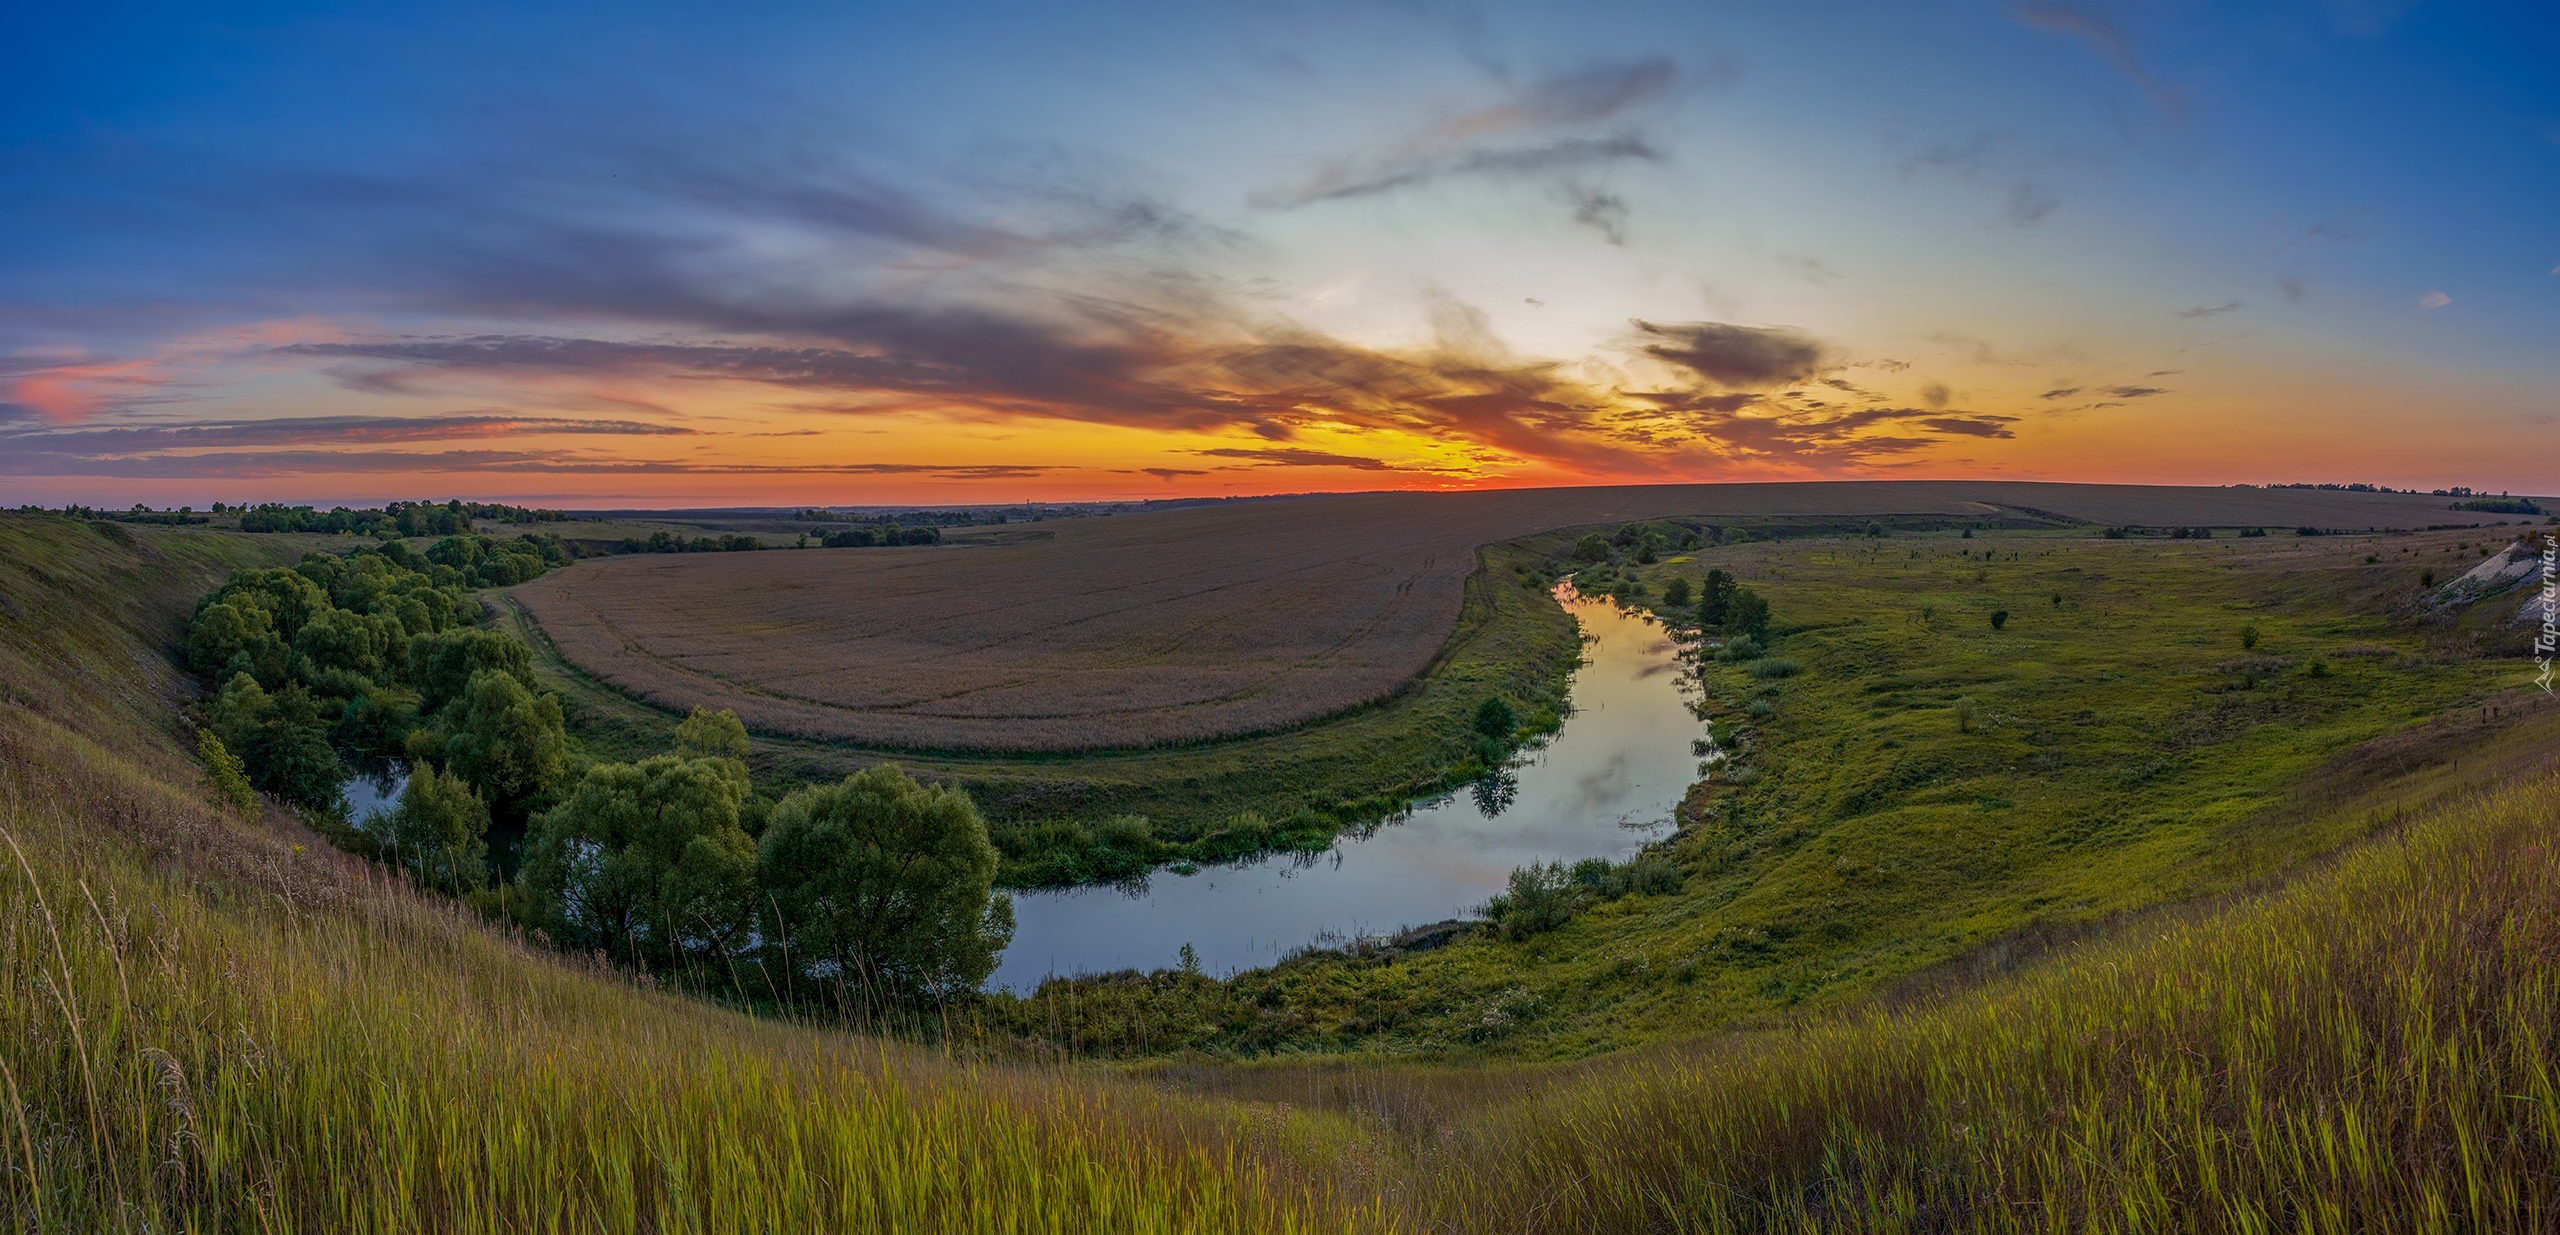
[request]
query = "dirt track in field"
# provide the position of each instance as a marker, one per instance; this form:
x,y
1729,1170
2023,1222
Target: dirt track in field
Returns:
x,y
1190,624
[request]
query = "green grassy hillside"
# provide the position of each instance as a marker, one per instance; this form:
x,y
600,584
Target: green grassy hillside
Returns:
x,y
204,1027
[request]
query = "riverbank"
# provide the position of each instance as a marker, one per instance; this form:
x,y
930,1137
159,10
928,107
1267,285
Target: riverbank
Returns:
x,y
2150,722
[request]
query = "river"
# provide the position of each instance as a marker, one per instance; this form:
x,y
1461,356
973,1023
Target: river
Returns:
x,y
1605,783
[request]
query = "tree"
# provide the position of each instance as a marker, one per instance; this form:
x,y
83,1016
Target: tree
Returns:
x,y
887,882
1746,615
647,861
1591,548
442,665
1999,618
510,743
1713,597
280,738
2249,638
439,830
1675,594
712,735
1496,719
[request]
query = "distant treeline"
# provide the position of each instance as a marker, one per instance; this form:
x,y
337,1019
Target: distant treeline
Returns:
x,y
394,519
906,518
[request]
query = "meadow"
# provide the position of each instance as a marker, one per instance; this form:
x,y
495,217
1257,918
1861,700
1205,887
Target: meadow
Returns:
x,y
210,1022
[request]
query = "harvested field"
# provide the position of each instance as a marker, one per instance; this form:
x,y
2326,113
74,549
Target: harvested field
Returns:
x,y
1191,624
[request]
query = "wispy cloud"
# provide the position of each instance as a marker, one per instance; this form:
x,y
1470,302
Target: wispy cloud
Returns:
x,y
2108,41
1521,135
2211,310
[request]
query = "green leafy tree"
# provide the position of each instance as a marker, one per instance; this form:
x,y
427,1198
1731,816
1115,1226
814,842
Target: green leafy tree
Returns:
x,y
441,666
647,861
1496,719
1675,594
889,882
1591,548
712,735
439,831
1999,618
281,740
510,743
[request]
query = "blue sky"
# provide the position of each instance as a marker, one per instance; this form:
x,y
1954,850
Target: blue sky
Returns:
x,y
685,255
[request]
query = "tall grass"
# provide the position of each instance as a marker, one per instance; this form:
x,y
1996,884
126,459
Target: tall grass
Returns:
x,y
2372,1048
297,1054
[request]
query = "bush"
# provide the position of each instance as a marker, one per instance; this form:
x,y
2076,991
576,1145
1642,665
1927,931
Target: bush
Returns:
x,y
1739,649
1675,594
1999,619
229,776
2248,638
1760,709
1495,719
1773,667
1591,548
1540,899
712,735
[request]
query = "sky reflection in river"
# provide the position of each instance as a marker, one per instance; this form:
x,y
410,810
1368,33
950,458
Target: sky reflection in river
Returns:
x,y
1603,786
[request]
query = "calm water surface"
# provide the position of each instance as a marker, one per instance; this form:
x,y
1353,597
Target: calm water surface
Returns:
x,y
1605,784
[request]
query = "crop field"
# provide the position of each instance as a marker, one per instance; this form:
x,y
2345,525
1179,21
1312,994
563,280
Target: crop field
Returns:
x,y
1188,625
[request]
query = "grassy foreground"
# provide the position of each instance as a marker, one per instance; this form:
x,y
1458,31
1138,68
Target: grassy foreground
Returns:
x,y
203,1028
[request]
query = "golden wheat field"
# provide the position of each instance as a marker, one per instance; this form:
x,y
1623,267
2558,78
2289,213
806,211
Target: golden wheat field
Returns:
x,y
1184,625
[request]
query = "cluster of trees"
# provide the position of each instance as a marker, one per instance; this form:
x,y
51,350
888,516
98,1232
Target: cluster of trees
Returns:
x,y
2499,506
451,518
672,864
375,652
863,537
663,541
1731,609
876,883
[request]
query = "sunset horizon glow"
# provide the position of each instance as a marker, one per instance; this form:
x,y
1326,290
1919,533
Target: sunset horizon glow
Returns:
x,y
672,257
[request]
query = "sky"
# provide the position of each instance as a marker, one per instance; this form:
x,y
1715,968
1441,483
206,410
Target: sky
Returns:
x,y
660,255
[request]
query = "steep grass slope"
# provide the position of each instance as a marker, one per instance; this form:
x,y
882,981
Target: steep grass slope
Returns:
x,y
206,1026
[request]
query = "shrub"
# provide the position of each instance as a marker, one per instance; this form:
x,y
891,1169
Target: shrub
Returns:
x,y
1999,618
1540,899
230,777
1591,548
712,735
2248,637
1739,649
1965,710
1675,594
1760,709
1773,667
